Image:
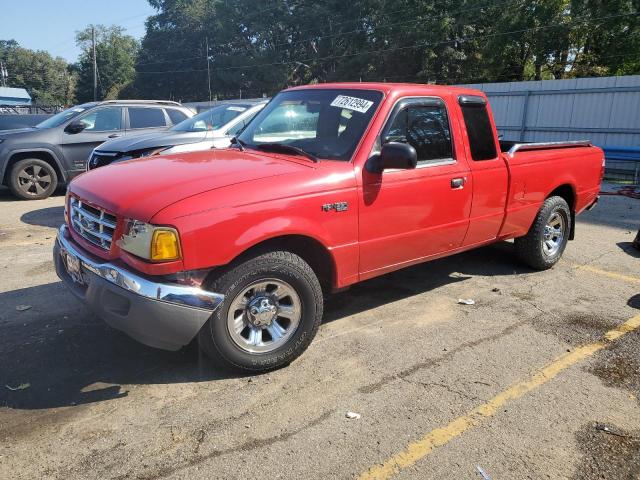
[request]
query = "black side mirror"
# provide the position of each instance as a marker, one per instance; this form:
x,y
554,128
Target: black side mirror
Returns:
x,y
397,155
75,127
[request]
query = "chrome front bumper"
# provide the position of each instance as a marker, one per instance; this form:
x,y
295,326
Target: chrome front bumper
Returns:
x,y
164,292
159,314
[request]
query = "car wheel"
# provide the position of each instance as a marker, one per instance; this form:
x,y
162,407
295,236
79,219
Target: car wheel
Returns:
x,y
544,244
32,179
271,313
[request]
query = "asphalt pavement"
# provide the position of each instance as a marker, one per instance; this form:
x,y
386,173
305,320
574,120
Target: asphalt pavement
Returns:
x,y
540,379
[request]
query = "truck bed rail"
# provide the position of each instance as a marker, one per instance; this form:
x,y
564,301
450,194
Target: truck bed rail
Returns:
x,y
522,147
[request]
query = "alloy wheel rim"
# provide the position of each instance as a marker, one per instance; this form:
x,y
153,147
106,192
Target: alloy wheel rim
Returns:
x,y
34,180
553,236
264,316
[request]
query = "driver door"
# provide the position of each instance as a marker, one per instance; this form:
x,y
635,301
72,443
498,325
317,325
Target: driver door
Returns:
x,y
410,215
101,124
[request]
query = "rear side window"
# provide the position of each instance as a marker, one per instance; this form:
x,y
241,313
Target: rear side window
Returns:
x,y
425,128
140,117
176,116
479,130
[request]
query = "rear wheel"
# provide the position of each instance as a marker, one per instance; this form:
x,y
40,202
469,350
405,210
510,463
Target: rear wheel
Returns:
x,y
544,244
32,179
271,312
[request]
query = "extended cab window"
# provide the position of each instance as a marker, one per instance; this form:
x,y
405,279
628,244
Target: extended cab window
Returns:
x,y
425,127
479,129
102,120
141,117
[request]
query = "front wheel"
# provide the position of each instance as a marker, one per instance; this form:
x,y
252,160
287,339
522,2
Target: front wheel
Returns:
x,y
32,179
271,312
544,244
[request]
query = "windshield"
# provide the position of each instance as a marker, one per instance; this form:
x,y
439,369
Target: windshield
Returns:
x,y
327,124
212,119
60,118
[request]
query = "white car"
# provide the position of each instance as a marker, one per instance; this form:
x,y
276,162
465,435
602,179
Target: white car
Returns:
x,y
211,129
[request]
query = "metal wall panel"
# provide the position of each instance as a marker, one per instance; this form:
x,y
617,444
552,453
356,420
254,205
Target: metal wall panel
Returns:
x,y
605,110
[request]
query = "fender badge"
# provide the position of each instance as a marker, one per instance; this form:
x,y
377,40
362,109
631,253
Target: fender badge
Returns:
x,y
337,206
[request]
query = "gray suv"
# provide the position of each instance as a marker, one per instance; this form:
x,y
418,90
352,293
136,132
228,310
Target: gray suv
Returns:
x,y
35,160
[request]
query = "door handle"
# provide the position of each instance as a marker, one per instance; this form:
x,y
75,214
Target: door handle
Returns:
x,y
457,183
114,135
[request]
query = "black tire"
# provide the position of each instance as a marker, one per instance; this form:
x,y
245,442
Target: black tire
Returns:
x,y
215,338
530,249
32,179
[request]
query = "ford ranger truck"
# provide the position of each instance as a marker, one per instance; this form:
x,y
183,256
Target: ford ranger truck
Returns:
x,y
328,186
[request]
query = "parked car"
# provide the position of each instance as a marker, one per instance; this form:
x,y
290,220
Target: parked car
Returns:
x,y
211,129
328,185
35,160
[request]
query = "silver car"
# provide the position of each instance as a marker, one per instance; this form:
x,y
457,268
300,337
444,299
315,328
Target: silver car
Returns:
x,y
211,129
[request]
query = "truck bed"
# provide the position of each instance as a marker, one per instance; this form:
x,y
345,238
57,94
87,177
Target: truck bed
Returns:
x,y
511,147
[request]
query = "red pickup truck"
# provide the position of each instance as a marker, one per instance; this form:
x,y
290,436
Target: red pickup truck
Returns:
x,y
329,185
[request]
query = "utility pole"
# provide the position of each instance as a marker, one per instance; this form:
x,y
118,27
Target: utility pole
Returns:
x,y
3,74
208,71
95,64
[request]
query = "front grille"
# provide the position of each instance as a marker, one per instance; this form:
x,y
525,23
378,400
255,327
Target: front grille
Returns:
x,y
93,224
100,159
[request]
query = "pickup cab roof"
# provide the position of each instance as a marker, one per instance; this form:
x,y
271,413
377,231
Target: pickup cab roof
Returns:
x,y
400,89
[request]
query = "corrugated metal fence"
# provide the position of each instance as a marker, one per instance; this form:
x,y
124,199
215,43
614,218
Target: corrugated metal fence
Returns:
x,y
605,110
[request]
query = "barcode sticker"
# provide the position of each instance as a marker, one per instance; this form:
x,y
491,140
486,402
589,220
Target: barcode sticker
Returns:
x,y
352,103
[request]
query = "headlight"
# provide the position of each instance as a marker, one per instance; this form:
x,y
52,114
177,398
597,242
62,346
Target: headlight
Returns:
x,y
153,151
90,159
158,244
66,207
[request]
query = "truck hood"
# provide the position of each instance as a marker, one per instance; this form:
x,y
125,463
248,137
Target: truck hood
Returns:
x,y
142,187
151,140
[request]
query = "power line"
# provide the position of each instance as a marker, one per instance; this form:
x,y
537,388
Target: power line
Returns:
x,y
393,49
351,32
408,77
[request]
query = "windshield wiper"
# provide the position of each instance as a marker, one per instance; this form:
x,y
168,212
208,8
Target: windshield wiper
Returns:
x,y
283,147
238,142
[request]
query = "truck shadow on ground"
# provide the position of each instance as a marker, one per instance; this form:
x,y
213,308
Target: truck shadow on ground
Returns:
x,y
629,249
44,217
69,357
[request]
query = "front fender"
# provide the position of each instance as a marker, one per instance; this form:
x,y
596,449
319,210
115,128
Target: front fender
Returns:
x,y
281,226
216,235
47,150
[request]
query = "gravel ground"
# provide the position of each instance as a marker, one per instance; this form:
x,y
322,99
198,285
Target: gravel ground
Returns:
x,y
399,350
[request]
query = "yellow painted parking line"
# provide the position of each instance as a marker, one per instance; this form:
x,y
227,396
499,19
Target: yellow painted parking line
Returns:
x,y
606,273
422,447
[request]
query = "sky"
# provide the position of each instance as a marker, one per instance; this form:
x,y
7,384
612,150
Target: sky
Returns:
x,y
51,25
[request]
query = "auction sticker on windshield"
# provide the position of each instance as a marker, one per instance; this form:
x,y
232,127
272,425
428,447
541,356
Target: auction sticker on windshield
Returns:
x,y
352,103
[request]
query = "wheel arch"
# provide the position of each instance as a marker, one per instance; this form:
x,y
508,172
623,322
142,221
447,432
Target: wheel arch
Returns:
x,y
43,154
310,249
568,193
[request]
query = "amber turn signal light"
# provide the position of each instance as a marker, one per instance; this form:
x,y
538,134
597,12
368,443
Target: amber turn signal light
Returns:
x,y
165,246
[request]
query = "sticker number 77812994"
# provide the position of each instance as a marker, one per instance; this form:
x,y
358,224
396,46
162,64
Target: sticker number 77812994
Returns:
x,y
352,103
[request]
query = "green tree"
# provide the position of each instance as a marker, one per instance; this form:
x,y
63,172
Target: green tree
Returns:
x,y
49,81
115,57
266,46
